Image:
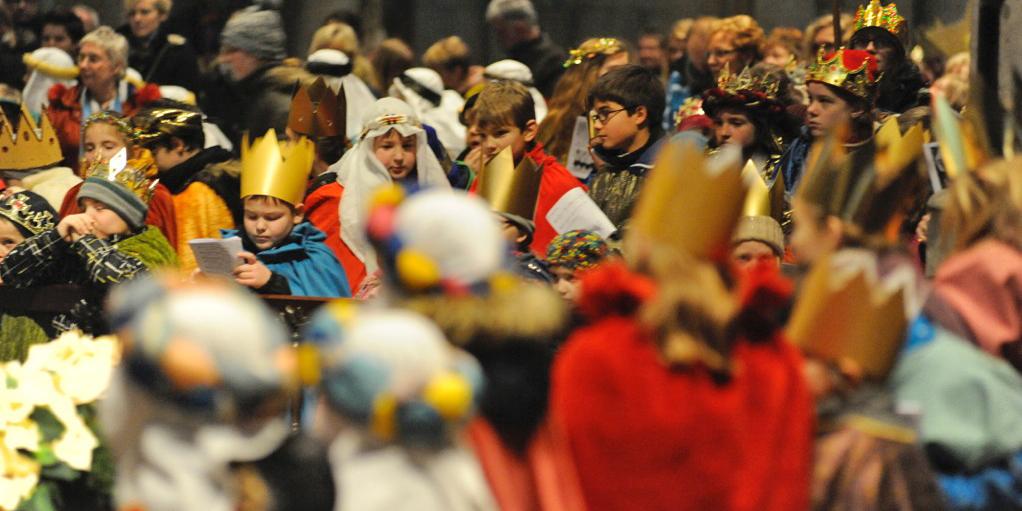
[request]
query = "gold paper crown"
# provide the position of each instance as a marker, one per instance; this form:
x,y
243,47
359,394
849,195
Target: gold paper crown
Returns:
x,y
509,189
876,15
593,47
832,71
763,200
138,174
31,147
276,169
961,146
868,188
18,209
317,112
849,315
690,203
764,84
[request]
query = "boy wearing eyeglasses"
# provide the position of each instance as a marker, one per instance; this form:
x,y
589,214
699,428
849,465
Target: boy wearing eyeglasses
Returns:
x,y
626,109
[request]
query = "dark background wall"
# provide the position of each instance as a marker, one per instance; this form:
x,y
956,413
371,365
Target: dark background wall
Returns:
x,y
420,22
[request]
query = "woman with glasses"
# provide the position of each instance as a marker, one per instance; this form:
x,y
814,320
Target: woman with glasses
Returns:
x,y
882,32
734,44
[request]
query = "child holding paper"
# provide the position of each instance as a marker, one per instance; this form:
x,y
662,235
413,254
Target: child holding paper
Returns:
x,y
505,115
107,244
282,254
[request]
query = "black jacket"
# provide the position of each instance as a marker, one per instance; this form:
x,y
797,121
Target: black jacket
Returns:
x,y
163,59
544,58
254,104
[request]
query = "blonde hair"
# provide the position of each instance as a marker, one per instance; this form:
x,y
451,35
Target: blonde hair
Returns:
x,y
114,44
748,35
569,99
335,36
680,28
789,38
985,203
503,103
819,24
163,6
958,65
446,53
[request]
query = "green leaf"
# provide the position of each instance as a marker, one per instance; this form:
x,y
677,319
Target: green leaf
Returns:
x,y
49,426
41,499
60,472
44,455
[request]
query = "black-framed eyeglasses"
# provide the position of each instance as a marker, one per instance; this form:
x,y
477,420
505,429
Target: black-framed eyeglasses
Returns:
x,y
604,116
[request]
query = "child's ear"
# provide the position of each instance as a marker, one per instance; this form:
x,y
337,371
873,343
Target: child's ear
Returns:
x,y
530,131
640,116
521,238
299,213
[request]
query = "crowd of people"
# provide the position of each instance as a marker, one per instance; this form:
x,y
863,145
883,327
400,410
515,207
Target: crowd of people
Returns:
x,y
712,268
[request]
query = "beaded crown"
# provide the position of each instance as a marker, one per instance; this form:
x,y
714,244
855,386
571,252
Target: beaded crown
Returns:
x,y
852,70
138,174
876,15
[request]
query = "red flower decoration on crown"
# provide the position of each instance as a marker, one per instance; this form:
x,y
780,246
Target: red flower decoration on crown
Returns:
x,y
854,71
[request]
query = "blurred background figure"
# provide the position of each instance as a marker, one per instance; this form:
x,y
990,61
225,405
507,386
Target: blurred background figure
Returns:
x,y
516,27
159,56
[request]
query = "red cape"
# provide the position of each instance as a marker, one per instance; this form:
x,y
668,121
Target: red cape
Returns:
x,y
322,209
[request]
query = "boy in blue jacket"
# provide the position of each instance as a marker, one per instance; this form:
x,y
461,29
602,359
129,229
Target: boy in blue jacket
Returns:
x,y
282,254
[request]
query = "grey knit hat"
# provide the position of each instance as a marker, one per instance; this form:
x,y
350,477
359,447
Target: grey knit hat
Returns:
x,y
127,205
260,33
763,229
510,9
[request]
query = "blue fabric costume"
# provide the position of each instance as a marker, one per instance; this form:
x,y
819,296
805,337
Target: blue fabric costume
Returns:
x,y
303,258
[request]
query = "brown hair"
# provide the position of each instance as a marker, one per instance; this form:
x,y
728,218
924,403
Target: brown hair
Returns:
x,y
819,24
391,59
268,199
790,38
503,103
449,52
569,102
748,35
985,203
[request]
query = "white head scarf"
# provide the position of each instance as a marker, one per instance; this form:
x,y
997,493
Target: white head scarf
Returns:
x,y
34,95
361,173
360,99
515,71
442,115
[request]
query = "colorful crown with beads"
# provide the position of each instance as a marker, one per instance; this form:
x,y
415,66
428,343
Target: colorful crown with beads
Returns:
x,y
593,47
31,146
880,16
17,207
138,174
854,71
748,89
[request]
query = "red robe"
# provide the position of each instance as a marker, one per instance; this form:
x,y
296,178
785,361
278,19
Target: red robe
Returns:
x,y
645,436
160,215
556,182
322,209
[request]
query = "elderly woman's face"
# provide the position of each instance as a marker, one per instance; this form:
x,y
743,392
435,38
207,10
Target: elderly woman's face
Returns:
x,y
144,18
97,71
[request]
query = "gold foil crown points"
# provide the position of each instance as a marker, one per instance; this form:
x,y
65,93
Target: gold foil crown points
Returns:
x,y
690,203
761,84
316,111
31,146
849,315
859,80
138,174
276,169
510,189
593,47
877,15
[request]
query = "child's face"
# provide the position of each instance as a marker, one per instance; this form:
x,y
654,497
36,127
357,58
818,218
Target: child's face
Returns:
x,y
510,232
566,283
733,126
751,253
811,238
396,153
495,138
101,142
268,222
827,110
10,236
108,222
616,126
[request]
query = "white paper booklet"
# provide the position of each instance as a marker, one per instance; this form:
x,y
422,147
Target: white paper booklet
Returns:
x,y
216,256
575,210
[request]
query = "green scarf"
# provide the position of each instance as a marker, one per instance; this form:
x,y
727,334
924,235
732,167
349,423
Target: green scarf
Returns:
x,y
150,247
17,333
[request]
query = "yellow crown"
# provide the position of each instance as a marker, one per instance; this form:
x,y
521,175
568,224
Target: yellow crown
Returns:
x,y
763,200
276,169
138,174
690,203
849,315
876,15
747,81
509,189
962,147
317,112
31,147
853,75
593,47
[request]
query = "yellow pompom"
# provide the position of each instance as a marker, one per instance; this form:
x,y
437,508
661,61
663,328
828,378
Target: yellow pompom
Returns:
x,y
342,310
388,196
308,365
383,423
450,394
503,282
417,270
